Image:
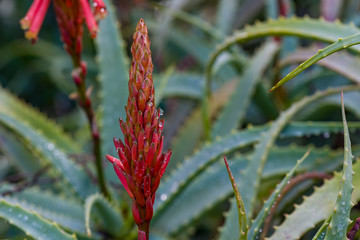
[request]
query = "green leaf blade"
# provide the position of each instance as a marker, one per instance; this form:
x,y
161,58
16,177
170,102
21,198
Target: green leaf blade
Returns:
x,y
340,44
112,221
37,143
259,220
31,223
11,105
67,213
234,111
340,220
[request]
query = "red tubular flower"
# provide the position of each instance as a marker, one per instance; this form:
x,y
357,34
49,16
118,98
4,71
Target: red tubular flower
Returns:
x,y
141,162
34,18
74,11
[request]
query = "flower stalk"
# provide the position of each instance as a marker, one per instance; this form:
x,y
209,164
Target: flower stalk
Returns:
x,y
141,161
70,16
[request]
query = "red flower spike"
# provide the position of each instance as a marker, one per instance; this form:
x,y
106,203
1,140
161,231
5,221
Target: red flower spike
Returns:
x,y
160,148
121,155
165,163
140,118
134,150
116,143
139,197
122,178
147,183
155,184
142,134
136,212
115,161
131,184
149,209
141,141
150,155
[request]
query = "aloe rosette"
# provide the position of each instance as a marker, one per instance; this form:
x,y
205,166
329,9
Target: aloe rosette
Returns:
x,y
141,161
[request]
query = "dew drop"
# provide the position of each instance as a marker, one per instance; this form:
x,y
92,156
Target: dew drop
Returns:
x,y
163,197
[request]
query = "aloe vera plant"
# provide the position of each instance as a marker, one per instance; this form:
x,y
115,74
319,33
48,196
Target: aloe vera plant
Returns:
x,y
69,171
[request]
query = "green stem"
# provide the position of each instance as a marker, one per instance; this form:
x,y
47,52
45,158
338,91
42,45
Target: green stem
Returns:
x,y
85,104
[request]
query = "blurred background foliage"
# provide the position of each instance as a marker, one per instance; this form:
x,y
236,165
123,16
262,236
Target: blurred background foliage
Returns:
x,y
184,34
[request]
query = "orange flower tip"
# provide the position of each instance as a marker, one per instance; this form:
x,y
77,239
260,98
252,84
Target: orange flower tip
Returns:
x,y
141,23
25,23
31,36
74,96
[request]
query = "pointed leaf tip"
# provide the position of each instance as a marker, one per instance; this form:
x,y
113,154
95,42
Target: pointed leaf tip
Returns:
x,y
239,202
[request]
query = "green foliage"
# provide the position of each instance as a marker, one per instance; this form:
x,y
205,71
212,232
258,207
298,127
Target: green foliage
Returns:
x,y
112,222
14,107
32,223
114,68
234,111
257,224
67,213
44,148
211,79
315,208
340,218
322,230
212,186
243,226
340,44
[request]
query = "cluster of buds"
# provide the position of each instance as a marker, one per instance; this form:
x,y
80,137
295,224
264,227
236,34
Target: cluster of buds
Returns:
x,y
141,162
70,16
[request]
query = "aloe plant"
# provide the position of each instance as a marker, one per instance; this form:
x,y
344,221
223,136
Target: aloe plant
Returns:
x,y
211,74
